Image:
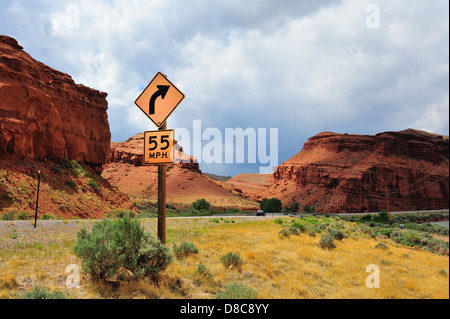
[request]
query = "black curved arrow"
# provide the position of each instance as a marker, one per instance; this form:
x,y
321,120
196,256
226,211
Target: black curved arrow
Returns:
x,y
162,91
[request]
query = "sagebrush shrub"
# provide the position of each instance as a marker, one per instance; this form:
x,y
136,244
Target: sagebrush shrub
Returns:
x,y
184,249
122,244
237,291
327,242
337,234
232,260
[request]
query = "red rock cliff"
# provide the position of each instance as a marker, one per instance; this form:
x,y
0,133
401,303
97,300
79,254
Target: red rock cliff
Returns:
x,y
45,115
351,173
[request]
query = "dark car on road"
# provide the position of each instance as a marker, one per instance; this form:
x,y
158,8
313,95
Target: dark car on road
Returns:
x,y
260,213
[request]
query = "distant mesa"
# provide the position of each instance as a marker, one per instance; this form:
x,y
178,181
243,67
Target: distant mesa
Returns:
x,y
350,173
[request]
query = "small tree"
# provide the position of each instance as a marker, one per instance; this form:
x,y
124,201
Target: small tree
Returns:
x,y
309,209
201,204
295,206
272,205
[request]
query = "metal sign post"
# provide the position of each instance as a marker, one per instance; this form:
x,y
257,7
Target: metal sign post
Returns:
x,y
37,198
162,169
158,101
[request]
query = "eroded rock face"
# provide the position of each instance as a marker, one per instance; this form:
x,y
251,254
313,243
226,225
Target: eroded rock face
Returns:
x,y
352,173
45,115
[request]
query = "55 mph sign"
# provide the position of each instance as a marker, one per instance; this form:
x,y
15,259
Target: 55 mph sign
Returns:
x,y
158,147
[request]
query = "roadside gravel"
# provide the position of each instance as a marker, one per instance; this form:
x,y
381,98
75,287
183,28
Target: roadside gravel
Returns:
x,y
23,234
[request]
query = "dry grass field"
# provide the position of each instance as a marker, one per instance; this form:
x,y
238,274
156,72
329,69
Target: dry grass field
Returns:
x,y
275,267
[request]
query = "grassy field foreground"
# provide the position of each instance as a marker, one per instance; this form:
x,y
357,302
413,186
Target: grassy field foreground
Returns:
x,y
275,266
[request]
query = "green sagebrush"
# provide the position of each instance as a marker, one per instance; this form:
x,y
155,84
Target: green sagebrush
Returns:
x,y
121,244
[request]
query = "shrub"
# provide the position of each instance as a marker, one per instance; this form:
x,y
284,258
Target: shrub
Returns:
x,y
299,226
285,232
232,260
337,234
272,205
201,204
43,293
237,291
309,209
366,218
204,272
70,183
327,242
8,216
382,246
23,216
122,244
294,208
184,249
278,221
47,217
120,213
382,217
93,184
442,272
311,232
76,168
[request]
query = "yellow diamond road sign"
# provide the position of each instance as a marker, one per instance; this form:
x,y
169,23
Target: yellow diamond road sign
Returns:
x,y
159,99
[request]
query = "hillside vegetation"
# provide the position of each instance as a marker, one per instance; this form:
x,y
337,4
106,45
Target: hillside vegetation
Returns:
x,y
259,258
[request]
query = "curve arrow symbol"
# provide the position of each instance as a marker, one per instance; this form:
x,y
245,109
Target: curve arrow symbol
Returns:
x,y
162,91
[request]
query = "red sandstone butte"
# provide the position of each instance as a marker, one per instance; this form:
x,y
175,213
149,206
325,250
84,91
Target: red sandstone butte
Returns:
x,y
342,173
45,115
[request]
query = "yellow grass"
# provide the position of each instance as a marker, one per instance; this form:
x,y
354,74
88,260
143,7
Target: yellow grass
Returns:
x,y
288,268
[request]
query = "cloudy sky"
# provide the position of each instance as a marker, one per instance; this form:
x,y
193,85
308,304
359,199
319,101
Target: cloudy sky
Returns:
x,y
303,67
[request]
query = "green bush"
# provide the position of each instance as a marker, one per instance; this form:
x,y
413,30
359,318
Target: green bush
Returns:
x,y
8,216
70,183
201,204
294,208
47,217
299,226
122,244
43,293
232,260
309,209
270,205
327,242
237,291
120,213
184,249
382,217
93,184
278,221
337,234
365,218
204,272
286,232
382,246
24,216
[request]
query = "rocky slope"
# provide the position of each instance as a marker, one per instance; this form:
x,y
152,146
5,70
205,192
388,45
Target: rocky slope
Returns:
x,y
49,123
185,181
45,115
353,173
